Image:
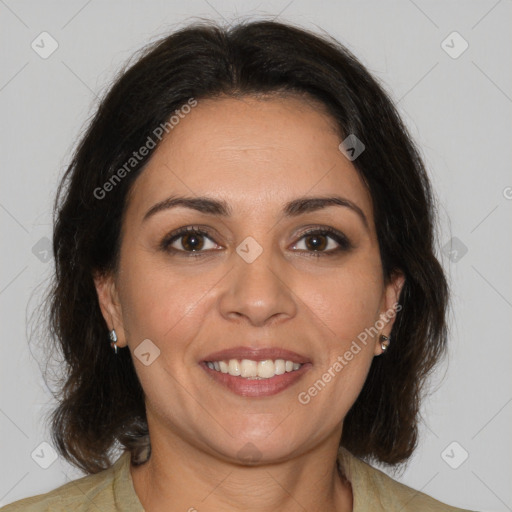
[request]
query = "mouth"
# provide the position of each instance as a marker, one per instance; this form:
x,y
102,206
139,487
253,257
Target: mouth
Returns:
x,y
256,372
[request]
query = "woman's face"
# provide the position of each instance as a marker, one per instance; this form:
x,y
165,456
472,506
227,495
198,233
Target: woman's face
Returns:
x,y
254,280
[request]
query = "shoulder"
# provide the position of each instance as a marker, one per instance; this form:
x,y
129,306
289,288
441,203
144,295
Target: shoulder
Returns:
x,y
89,493
75,496
375,490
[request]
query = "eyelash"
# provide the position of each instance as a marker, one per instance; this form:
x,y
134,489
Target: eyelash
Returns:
x,y
337,236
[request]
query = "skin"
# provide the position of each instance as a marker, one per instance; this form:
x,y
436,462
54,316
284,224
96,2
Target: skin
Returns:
x,y
256,154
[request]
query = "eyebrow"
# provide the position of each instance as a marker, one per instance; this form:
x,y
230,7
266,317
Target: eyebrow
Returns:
x,y
220,208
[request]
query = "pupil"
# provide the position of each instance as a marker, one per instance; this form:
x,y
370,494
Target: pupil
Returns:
x,y
318,242
192,242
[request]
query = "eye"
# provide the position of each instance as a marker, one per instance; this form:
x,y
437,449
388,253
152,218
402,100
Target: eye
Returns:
x,y
193,241
189,239
323,242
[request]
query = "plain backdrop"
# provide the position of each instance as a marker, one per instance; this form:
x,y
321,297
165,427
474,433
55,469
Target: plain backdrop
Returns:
x,y
447,65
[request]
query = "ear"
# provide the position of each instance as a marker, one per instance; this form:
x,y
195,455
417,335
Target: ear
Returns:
x,y
108,298
390,306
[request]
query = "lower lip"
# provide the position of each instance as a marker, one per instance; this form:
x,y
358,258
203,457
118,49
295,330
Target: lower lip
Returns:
x,y
257,387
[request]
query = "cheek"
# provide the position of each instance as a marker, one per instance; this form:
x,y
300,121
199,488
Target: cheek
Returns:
x,y
161,305
345,308
347,301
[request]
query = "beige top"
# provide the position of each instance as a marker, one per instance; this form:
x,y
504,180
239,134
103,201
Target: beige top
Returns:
x,y
113,490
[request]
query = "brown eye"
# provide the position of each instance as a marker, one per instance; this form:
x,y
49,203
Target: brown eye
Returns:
x,y
191,240
316,242
323,242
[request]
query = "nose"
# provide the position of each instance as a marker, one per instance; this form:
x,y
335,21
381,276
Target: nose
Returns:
x,y
258,291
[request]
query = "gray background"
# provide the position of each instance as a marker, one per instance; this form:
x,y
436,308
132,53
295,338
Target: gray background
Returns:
x,y
458,110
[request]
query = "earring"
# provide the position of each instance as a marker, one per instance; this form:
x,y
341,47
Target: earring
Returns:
x,y
113,340
384,343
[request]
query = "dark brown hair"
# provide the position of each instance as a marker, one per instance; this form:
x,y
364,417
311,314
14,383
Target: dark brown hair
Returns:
x,y
101,403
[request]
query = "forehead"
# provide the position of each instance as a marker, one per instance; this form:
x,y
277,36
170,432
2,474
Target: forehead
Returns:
x,y
251,152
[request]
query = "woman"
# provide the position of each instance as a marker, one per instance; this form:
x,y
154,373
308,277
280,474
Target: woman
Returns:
x,y
246,292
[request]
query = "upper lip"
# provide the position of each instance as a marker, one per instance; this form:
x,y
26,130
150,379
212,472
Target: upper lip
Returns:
x,y
256,354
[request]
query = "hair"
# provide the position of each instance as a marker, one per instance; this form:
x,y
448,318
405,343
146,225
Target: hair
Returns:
x,y
100,401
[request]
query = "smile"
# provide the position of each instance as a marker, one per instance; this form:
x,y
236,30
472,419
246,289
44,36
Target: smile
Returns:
x,y
249,369
250,378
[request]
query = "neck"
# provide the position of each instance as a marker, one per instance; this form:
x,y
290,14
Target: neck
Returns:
x,y
180,476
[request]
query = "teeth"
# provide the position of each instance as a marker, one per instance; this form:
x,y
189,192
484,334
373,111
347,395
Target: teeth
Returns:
x,y
234,367
249,369
266,369
280,366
